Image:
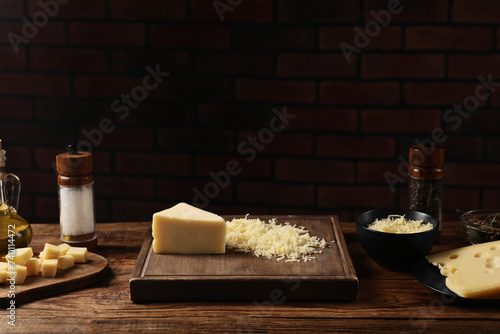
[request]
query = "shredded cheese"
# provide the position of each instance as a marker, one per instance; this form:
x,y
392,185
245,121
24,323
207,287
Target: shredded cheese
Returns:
x,y
399,224
272,239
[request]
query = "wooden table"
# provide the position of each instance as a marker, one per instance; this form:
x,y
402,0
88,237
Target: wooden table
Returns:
x,y
387,302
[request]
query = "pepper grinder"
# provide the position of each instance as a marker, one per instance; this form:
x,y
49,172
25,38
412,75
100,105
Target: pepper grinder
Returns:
x,y
426,180
76,199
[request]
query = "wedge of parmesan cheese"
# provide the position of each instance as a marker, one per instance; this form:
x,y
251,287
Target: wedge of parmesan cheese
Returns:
x,y
272,239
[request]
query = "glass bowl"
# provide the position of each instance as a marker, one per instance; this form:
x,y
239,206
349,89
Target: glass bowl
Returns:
x,y
481,225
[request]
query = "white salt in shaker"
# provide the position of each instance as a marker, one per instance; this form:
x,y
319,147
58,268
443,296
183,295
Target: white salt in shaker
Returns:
x,y
76,199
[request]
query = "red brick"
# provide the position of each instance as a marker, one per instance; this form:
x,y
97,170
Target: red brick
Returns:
x,y
483,122
356,146
491,199
331,37
34,84
105,86
62,59
281,143
438,93
152,9
472,66
402,66
135,61
15,108
37,134
257,168
375,171
52,33
274,37
136,210
416,11
449,38
11,8
235,115
89,111
11,60
324,119
401,121
359,93
356,197
38,182
246,11
155,112
464,148
460,199
18,157
45,158
196,36
276,90
184,190
472,175
275,194
476,11
318,11
152,163
124,187
107,34
195,140
194,89
315,65
493,147
234,64
118,138
314,170
89,9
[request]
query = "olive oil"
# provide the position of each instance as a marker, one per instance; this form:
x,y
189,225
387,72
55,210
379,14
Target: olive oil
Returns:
x,y
15,231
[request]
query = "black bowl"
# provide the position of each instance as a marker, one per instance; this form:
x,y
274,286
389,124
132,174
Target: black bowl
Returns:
x,y
391,250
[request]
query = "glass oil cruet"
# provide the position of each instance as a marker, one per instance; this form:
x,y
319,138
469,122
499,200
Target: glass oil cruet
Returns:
x,y
15,231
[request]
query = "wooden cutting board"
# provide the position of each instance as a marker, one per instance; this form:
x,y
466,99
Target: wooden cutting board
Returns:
x,y
82,274
242,276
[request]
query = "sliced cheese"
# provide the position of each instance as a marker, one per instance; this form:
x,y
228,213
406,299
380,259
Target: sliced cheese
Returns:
x,y
472,271
185,229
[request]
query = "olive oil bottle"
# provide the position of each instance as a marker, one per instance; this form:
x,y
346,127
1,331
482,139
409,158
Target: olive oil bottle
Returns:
x,y
15,231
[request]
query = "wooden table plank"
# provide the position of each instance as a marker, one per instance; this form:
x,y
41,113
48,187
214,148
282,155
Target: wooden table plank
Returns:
x,y
387,301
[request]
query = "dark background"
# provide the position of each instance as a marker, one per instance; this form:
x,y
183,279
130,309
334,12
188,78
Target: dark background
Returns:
x,y
353,119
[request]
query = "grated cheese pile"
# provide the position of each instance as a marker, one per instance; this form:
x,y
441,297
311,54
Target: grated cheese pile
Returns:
x,y
272,239
399,224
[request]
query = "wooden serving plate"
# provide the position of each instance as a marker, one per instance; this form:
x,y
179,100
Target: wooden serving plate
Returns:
x,y
82,274
243,276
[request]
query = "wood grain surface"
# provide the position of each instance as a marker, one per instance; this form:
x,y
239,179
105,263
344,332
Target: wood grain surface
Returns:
x,y
243,276
388,302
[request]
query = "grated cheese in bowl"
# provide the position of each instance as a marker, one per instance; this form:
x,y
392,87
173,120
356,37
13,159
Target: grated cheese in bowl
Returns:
x,y
272,239
400,225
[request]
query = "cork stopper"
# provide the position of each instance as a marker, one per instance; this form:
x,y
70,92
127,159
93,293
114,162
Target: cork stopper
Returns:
x,y
74,169
426,161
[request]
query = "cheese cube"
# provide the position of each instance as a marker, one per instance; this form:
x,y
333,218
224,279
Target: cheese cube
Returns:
x,y
49,267
3,276
63,249
41,256
79,253
19,272
22,255
4,266
472,271
185,229
33,266
50,252
65,262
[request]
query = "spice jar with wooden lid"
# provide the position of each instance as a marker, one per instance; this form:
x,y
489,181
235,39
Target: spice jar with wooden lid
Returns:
x,y
426,180
76,199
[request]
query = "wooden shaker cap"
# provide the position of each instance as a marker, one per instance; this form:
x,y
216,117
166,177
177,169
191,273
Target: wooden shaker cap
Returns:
x,y
74,169
426,161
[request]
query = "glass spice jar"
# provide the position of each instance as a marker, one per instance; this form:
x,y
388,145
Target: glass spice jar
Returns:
x,y
426,180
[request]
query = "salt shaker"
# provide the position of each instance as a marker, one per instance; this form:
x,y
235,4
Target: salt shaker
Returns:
x,y
76,199
426,180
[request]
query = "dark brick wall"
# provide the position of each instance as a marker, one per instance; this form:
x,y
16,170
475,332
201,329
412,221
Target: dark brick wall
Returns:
x,y
355,118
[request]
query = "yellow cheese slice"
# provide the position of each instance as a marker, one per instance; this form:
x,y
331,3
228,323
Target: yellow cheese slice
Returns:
x,y
185,229
472,271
